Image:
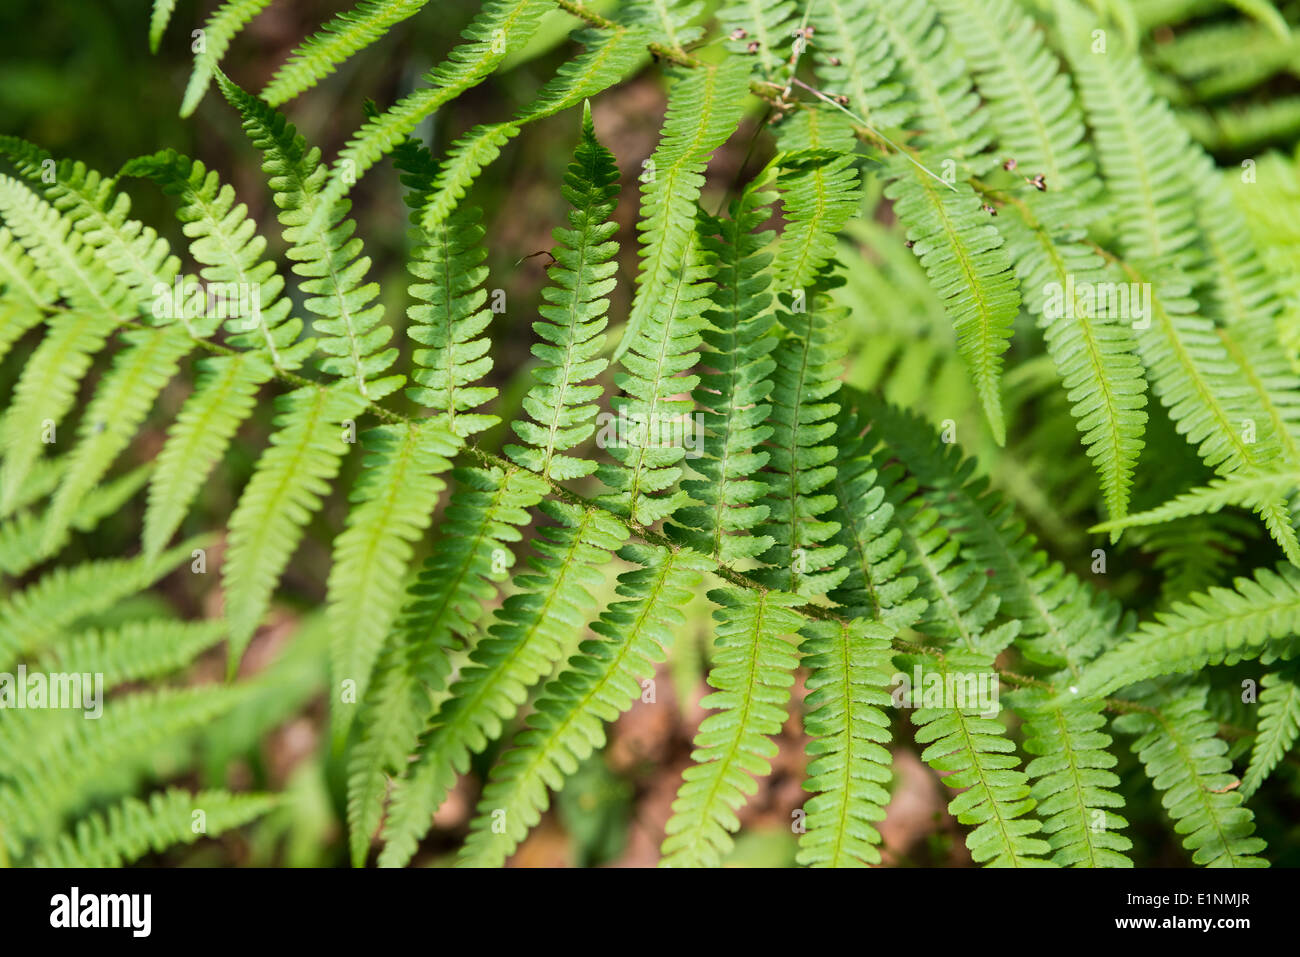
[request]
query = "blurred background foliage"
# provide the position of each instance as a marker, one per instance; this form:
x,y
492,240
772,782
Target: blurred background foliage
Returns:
x,y
77,77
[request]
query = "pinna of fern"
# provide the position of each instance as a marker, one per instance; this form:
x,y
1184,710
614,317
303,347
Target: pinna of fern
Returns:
x,y
839,536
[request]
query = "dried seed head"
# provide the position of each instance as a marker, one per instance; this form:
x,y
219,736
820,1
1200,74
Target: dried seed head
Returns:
x,y
909,244
739,33
752,47
842,100
989,209
1009,164
1039,182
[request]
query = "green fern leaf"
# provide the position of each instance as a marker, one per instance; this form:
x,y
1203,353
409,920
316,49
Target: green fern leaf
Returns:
x,y
738,347
1072,782
501,27
1184,759
1279,727
939,105
1259,615
753,669
809,362
609,60
1245,489
849,764
970,269
981,762
286,489
223,397
573,315
158,20
1030,100
600,682
124,397
349,330
33,618
519,648
45,392
392,504
1095,353
442,606
704,108
131,829
338,39
226,242
212,43
135,651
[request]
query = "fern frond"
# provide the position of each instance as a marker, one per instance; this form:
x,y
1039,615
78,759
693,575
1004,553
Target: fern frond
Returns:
x,y
525,643
940,105
854,58
34,617
870,534
1245,489
670,19
226,242
135,253
753,669
349,330
1279,727
501,28
338,39
48,783
1072,781
600,682
44,394
24,284
1145,154
1031,101
610,58
646,421
704,109
819,191
23,542
809,362
849,764
738,347
135,651
124,397
1095,353
1063,622
442,606
223,397
158,20
1256,618
979,760
215,37
960,605
452,308
62,252
969,267
1183,758
767,23
131,829
286,488
392,504
1194,379
573,315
